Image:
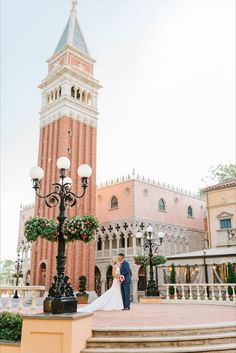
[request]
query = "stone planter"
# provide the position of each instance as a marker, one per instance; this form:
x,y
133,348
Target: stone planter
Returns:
x,y
82,298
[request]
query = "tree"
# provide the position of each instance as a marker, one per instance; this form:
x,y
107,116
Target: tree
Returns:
x,y
7,270
221,173
231,277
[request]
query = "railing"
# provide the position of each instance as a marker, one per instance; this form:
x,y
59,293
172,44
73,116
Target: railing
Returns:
x,y
218,293
28,298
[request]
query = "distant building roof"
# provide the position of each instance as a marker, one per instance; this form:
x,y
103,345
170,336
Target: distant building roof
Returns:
x,y
208,253
223,185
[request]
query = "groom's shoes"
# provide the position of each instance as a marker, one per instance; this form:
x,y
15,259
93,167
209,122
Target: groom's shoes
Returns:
x,y
126,308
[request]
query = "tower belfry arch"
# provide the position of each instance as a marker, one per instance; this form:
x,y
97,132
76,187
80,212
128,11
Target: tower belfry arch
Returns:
x,y
68,127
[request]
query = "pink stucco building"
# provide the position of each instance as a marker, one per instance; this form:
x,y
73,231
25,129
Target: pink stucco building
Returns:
x,y
128,205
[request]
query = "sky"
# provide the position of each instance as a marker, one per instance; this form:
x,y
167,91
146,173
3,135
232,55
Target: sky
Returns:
x,y
167,106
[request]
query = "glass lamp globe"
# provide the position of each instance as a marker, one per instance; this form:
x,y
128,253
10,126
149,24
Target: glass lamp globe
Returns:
x,y
63,163
139,235
66,180
161,235
36,173
149,229
84,171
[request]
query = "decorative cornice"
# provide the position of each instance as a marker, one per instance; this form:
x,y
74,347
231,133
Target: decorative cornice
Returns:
x,y
139,178
68,108
72,70
83,119
72,50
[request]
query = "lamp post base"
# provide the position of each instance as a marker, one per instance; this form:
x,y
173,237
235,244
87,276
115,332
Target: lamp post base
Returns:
x,y
152,292
61,305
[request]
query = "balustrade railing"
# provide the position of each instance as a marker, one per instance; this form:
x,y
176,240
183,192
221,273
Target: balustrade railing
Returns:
x,y
28,298
199,292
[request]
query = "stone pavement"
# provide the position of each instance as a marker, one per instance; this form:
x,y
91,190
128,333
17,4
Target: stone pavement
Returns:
x,y
165,315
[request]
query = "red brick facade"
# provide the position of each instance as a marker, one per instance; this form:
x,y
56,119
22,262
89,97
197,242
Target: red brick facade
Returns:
x,y
55,139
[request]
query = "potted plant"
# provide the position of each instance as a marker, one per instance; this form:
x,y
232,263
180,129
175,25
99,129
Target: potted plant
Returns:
x,y
82,296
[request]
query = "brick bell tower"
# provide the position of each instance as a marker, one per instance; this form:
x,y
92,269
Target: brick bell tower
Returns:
x,y
68,127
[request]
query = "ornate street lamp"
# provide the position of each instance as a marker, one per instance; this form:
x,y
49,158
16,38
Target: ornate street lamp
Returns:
x,y
231,234
18,274
61,298
152,247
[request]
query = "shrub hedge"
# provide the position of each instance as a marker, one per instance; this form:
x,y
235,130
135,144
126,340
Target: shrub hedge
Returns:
x,y
10,326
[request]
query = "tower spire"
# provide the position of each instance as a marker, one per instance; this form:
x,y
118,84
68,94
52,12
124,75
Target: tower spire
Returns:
x,y
72,34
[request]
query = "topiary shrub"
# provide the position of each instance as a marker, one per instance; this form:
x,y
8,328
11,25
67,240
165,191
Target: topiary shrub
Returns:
x,y
82,284
10,326
82,296
172,280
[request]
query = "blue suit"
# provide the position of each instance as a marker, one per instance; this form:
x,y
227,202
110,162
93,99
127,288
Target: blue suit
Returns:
x,y
125,286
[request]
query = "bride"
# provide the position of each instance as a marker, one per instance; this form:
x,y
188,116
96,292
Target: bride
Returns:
x,y
111,299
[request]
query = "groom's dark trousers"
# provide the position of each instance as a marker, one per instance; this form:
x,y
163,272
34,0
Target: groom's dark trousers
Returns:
x,y
125,286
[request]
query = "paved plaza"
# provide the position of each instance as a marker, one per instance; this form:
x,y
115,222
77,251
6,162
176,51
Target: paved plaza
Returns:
x,y
165,315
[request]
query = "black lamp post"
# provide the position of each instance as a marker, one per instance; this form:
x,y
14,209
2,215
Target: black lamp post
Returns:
x,y
206,272
61,298
18,274
152,247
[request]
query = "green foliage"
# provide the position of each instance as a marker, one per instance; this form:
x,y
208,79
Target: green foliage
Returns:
x,y
10,326
221,173
82,284
74,229
158,260
231,277
172,279
40,227
82,228
141,260
145,260
7,270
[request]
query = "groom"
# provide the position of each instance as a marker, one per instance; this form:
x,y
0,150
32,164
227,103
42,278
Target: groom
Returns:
x,y
125,285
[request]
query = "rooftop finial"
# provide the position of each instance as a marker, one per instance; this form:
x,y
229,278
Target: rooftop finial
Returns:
x,y
74,5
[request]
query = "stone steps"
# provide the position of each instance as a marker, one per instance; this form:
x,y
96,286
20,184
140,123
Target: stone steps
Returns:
x,y
219,348
167,341
211,338
163,330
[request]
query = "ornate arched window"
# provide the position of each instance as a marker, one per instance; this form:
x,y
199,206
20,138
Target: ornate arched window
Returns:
x,y
99,244
42,274
78,94
89,99
114,202
84,97
190,211
73,92
162,205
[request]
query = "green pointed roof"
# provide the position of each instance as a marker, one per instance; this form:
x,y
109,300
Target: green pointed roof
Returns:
x,y
72,34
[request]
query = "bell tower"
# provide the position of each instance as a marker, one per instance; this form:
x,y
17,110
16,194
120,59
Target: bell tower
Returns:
x,y
68,127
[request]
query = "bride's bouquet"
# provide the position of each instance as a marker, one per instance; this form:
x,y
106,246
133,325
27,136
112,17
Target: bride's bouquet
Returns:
x,y
121,278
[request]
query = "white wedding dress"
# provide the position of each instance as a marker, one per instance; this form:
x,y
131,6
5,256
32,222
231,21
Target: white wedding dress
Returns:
x,y
110,300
